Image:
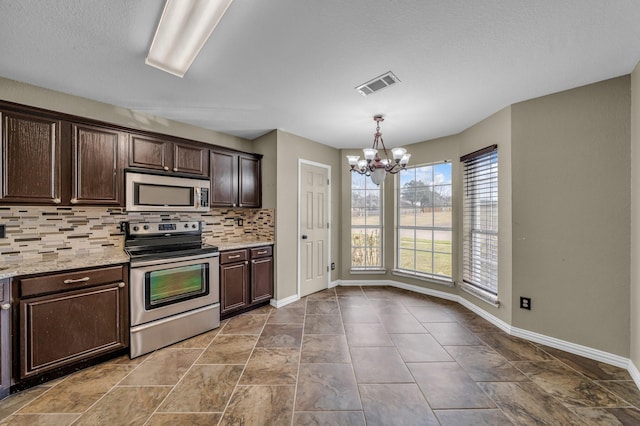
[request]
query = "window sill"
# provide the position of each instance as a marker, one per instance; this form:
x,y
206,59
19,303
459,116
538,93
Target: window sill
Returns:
x,y
422,277
367,271
487,297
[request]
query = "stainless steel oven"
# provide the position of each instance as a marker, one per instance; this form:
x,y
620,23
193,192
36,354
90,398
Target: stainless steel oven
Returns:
x,y
174,284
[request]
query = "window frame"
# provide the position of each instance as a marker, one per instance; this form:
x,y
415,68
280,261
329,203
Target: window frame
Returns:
x,y
480,229
369,187
433,228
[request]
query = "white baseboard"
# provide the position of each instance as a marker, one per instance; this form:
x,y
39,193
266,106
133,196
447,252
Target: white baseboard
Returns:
x,y
635,374
574,348
284,302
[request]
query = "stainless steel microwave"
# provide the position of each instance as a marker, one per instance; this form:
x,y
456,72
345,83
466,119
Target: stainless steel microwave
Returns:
x,y
147,192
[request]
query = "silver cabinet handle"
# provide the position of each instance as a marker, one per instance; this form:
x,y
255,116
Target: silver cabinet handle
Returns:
x,y
121,284
79,280
234,257
74,201
175,169
57,200
262,252
5,306
166,168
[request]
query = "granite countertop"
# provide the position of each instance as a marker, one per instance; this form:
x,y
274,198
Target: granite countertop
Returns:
x,y
110,256
87,260
240,243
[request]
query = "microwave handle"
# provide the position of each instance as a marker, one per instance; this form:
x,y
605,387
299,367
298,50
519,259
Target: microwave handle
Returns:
x,y
198,196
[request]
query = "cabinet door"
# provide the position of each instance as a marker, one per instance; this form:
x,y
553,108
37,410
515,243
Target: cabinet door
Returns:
x,y
63,328
31,155
234,285
5,338
261,279
224,179
249,190
190,159
96,173
150,153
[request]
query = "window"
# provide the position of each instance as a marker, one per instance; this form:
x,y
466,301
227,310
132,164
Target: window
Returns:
x,y
480,213
366,223
424,234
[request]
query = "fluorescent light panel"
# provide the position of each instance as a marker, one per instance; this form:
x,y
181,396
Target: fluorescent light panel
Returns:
x,y
183,30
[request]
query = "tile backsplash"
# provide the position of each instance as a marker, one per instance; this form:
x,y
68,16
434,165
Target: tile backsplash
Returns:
x,y
48,232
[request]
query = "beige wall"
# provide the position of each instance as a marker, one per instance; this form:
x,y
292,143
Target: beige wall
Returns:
x,y
571,217
291,148
635,218
26,94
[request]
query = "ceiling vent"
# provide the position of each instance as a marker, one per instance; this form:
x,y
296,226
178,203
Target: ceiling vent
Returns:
x,y
385,80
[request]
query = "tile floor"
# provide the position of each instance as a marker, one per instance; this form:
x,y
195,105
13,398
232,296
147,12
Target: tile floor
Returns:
x,y
345,356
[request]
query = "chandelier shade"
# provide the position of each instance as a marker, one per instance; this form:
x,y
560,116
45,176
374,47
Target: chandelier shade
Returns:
x,y
373,164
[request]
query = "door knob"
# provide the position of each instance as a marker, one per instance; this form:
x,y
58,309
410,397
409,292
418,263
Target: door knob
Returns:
x,y
304,237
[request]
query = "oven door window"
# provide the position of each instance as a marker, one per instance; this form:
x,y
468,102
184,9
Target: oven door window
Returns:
x,y
172,285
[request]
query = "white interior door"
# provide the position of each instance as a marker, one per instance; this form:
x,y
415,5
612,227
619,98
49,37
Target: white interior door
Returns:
x,y
314,228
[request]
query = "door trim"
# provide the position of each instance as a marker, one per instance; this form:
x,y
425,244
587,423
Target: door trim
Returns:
x,y
329,217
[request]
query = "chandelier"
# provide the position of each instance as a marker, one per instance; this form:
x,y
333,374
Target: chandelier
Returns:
x,y
374,166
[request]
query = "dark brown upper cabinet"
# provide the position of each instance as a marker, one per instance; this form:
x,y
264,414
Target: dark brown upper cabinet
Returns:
x,y
235,180
97,165
33,162
170,156
249,183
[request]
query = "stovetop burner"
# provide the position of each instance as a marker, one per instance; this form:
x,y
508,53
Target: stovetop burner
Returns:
x,y
146,241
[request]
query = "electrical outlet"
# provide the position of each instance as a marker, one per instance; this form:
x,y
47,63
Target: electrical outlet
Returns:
x,y
240,221
525,303
333,266
3,231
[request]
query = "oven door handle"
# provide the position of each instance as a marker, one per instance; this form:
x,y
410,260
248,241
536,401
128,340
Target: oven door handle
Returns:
x,y
135,264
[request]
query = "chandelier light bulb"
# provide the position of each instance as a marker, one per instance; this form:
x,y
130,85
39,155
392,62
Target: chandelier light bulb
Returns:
x,y
398,153
370,153
353,159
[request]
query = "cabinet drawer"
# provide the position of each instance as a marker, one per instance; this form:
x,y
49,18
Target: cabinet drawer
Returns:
x,y
259,252
70,280
233,256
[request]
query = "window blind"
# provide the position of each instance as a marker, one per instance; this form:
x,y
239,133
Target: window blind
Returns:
x,y
480,219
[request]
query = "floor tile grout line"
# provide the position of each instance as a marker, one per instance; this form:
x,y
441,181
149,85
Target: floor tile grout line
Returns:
x,y
295,389
244,368
173,387
107,392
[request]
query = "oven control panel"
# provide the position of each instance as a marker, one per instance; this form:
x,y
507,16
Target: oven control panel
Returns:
x,y
162,228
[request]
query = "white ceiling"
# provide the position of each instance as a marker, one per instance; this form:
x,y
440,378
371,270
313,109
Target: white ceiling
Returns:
x,y
294,64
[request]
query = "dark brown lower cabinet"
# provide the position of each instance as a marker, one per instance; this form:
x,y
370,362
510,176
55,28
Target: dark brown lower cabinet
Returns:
x,y
234,280
261,274
71,317
246,279
5,337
